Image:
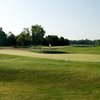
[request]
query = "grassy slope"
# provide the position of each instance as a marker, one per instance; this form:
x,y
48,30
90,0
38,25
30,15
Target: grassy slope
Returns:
x,y
23,78
81,50
72,57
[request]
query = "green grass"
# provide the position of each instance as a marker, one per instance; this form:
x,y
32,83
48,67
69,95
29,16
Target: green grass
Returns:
x,y
81,50
26,78
69,50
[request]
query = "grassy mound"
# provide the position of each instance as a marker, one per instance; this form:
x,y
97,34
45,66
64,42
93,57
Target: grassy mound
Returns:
x,y
23,78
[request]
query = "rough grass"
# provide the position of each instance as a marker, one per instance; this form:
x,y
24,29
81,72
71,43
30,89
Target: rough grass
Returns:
x,y
23,78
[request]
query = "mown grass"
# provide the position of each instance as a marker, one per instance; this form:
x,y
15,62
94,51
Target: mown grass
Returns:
x,y
81,50
25,78
68,50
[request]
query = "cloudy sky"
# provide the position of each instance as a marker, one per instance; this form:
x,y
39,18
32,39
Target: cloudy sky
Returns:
x,y
73,19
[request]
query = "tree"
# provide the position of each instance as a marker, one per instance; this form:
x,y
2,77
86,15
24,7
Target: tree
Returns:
x,y
3,38
24,39
61,41
52,39
82,42
11,39
67,42
37,34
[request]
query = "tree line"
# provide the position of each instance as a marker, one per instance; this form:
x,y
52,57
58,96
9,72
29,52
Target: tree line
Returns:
x,y
35,36
85,42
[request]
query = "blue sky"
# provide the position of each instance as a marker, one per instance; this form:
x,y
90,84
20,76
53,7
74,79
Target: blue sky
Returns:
x,y
73,19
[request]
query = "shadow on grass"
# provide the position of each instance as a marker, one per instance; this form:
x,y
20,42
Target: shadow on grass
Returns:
x,y
53,52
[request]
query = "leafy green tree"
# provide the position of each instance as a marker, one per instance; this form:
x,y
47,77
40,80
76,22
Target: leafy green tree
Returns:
x,y
24,39
67,42
3,38
83,42
20,40
61,41
11,39
52,39
37,34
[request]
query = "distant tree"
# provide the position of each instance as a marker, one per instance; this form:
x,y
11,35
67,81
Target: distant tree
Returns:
x,y
62,41
11,39
3,38
37,34
28,37
52,39
67,42
97,42
24,39
20,40
82,42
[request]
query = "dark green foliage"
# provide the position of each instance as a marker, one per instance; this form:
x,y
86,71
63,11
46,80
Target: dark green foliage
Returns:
x,y
85,42
11,39
3,38
54,40
24,39
97,42
61,41
37,34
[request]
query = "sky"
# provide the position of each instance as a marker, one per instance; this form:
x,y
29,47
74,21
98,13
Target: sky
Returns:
x,y
72,19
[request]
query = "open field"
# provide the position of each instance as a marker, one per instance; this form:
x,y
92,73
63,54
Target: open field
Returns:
x,y
70,56
26,78
26,75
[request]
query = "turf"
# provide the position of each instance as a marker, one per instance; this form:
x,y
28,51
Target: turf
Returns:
x,y
68,49
80,50
71,57
26,78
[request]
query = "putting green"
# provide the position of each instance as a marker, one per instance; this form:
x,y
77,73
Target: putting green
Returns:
x,y
72,57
